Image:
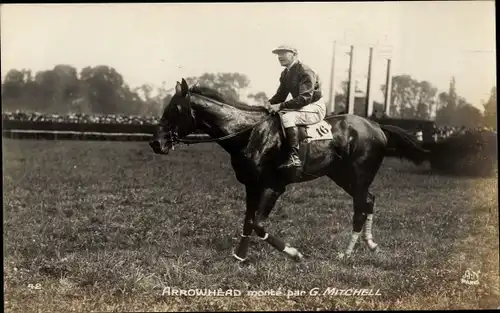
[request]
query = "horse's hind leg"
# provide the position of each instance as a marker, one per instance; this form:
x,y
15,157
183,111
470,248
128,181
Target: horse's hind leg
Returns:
x,y
358,220
363,220
367,234
363,203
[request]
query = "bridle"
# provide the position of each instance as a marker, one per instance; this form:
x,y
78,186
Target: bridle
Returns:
x,y
174,137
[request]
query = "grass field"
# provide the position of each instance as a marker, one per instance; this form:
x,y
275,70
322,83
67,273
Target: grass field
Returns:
x,y
106,226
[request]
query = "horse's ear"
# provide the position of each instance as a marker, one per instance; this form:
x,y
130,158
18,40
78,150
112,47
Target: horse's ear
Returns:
x,y
185,87
178,88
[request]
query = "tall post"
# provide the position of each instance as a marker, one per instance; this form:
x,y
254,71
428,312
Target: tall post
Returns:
x,y
388,88
369,101
350,89
330,107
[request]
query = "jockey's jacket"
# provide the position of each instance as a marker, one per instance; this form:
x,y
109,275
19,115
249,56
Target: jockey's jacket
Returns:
x,y
302,82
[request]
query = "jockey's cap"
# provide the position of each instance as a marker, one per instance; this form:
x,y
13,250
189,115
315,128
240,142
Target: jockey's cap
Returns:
x,y
284,48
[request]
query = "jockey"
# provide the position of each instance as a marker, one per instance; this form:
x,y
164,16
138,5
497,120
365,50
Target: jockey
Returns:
x,y
305,108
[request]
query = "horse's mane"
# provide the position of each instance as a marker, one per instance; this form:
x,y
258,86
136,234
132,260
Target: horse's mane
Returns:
x,y
217,96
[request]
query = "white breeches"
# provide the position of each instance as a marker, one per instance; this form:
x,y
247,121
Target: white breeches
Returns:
x,y
310,114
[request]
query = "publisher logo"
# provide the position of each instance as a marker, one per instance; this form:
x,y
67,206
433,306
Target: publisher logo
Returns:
x,y
470,277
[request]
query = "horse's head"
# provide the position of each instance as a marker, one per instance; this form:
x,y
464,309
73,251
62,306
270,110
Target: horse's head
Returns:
x,y
177,120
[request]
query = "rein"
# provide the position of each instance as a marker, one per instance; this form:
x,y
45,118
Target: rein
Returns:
x,y
192,141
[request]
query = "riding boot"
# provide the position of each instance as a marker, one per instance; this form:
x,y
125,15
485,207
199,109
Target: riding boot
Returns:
x,y
292,134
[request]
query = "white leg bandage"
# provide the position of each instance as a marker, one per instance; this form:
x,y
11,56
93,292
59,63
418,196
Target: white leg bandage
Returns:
x,y
368,232
238,258
290,251
368,227
352,243
293,253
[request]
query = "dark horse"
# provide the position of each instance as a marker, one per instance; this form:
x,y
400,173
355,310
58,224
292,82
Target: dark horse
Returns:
x,y
255,140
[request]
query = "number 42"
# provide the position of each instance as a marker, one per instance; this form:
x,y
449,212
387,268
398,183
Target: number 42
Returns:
x,y
35,286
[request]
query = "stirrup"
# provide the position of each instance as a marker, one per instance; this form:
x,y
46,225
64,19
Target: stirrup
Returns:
x,y
293,161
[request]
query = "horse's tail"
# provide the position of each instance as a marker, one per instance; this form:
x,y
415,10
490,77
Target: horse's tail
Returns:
x,y
402,144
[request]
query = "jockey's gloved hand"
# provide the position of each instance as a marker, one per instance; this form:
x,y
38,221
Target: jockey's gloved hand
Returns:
x,y
273,108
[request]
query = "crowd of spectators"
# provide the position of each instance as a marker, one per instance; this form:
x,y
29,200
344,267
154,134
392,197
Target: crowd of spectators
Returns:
x,y
444,132
79,118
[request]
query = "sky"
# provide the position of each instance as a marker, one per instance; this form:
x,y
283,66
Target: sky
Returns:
x,y
161,43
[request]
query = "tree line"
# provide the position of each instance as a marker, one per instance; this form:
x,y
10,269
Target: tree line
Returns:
x,y
102,90
411,98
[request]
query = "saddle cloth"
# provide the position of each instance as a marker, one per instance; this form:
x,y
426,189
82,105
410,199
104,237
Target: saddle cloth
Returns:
x,y
317,131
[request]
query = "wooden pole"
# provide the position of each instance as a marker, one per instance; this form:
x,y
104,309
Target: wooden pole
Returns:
x,y
369,101
388,88
350,89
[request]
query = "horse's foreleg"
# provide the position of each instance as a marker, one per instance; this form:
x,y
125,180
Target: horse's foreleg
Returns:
x,y
241,252
252,195
275,242
268,200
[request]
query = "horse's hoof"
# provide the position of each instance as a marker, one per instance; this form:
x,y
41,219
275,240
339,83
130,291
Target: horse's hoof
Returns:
x,y
373,248
344,256
301,267
238,258
298,257
293,253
